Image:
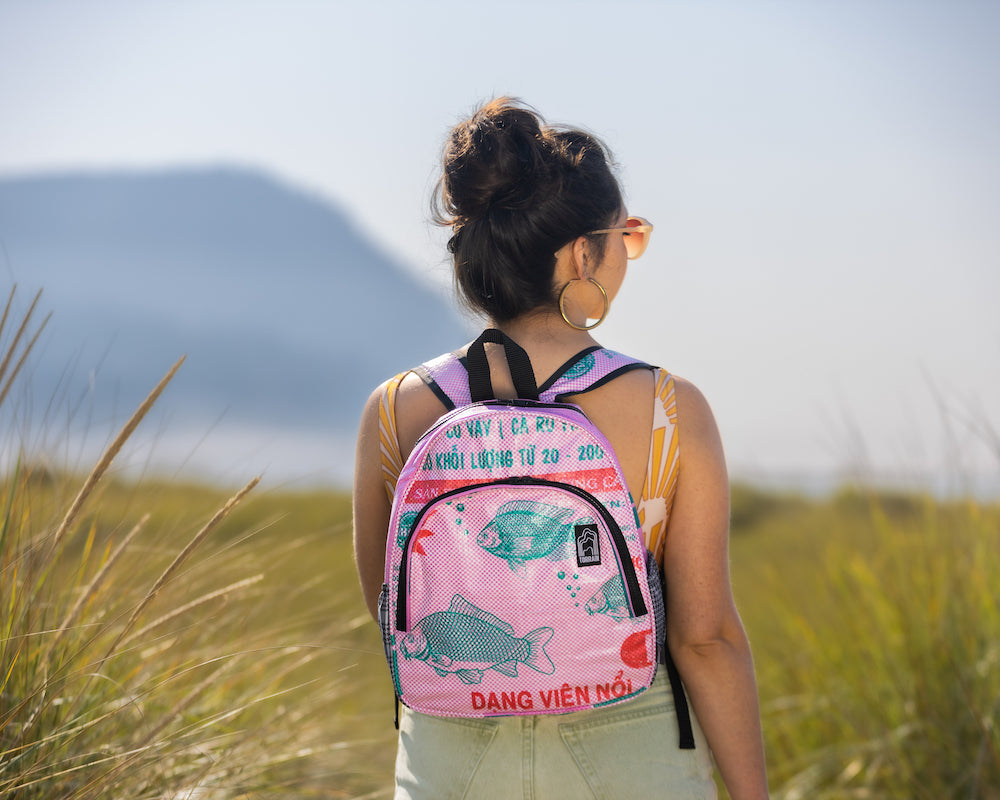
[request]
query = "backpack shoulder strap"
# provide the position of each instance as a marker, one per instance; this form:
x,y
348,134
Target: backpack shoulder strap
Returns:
x,y
585,371
448,378
459,379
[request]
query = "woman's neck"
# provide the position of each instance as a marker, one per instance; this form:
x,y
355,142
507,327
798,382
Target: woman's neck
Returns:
x,y
548,340
544,329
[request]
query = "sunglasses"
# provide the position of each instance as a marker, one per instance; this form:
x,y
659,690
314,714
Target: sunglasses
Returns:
x,y
636,233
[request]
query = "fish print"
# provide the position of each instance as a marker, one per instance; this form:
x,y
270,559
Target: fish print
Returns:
x,y
580,368
406,521
467,641
610,599
523,530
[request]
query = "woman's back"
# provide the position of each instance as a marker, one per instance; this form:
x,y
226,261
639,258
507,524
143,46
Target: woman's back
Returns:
x,y
621,409
540,242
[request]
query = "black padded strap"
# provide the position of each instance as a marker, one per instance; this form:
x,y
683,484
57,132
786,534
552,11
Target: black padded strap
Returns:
x,y
480,385
684,730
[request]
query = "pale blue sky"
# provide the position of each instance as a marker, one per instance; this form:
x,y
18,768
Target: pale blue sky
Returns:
x,y
824,176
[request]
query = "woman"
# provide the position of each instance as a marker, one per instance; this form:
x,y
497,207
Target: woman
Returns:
x,y
541,242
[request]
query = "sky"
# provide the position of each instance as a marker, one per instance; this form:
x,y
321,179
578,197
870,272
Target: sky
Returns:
x,y
824,176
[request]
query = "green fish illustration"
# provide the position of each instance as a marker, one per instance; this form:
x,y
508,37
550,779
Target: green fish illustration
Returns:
x,y
526,529
580,368
467,641
405,523
610,599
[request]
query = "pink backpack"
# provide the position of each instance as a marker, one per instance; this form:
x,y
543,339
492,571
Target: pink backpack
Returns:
x,y
517,580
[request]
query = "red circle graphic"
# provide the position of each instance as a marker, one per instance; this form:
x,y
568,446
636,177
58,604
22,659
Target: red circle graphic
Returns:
x,y
634,650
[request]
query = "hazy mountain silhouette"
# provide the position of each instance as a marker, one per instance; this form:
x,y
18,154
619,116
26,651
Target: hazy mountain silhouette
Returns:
x,y
288,315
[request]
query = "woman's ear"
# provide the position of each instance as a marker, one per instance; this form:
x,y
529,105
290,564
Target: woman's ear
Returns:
x,y
581,257
573,261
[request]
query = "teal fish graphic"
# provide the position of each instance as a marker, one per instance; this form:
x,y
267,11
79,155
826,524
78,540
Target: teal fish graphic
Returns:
x,y
526,529
610,599
580,368
405,523
467,641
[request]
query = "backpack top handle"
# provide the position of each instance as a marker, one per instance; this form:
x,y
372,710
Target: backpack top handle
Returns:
x,y
480,385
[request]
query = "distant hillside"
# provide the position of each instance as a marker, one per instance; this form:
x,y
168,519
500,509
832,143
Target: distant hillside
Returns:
x,y
288,315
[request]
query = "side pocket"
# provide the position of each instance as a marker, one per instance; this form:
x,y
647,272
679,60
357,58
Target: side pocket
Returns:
x,y
659,608
387,642
383,622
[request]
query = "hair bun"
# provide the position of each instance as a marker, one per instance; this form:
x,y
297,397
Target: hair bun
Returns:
x,y
495,160
514,190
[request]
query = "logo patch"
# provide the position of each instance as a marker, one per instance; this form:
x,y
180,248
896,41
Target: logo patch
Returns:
x,y
588,544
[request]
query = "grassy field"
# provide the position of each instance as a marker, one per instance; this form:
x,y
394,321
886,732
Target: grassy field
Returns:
x,y
255,671
173,641
161,640
876,628
248,672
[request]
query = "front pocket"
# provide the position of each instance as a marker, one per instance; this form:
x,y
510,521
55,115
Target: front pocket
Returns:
x,y
525,529
520,596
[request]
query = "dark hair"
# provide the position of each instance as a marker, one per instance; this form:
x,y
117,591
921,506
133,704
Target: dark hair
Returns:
x,y
515,190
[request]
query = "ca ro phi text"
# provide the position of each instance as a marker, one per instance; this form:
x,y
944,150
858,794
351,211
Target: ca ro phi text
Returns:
x,y
514,426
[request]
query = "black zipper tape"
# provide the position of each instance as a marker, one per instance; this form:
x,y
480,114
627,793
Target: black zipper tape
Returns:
x,y
617,538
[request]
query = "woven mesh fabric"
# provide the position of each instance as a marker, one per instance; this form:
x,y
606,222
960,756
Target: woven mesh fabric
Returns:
x,y
658,607
589,368
448,372
491,585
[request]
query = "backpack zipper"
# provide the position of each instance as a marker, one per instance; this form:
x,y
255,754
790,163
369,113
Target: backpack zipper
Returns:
x,y
631,582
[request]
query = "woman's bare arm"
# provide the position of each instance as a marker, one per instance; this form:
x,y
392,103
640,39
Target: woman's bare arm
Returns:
x,y
707,639
371,505
417,408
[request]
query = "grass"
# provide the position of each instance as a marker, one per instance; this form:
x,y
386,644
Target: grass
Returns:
x,y
165,640
170,641
876,629
252,672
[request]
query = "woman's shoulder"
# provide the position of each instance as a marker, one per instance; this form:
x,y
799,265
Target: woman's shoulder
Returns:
x,y
696,425
412,389
411,405
410,385
690,398
685,406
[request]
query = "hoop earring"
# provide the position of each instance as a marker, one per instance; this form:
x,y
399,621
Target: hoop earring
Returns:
x,y
562,311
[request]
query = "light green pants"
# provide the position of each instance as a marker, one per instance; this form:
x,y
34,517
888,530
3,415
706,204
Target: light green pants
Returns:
x,y
625,751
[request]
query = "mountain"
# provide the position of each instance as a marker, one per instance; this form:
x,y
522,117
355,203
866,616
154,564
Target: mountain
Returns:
x,y
288,315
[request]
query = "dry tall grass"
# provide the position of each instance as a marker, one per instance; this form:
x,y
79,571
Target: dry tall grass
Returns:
x,y
138,664
151,646
875,620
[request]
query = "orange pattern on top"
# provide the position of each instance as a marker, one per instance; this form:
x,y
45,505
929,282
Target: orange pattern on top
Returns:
x,y
388,441
661,474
